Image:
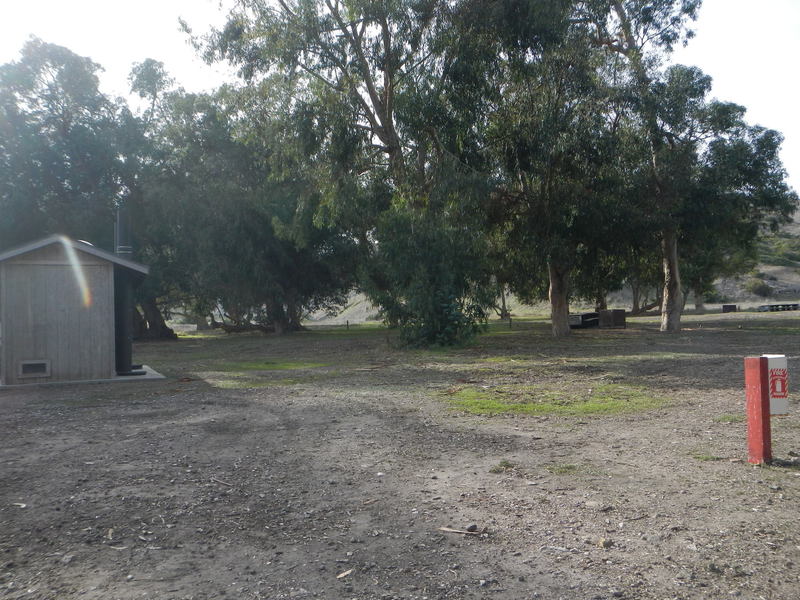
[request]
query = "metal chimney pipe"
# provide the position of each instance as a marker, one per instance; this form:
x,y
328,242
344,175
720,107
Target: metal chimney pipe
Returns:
x,y
122,233
123,297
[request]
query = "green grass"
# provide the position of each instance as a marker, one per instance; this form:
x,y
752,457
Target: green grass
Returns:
x,y
772,330
370,328
267,365
503,466
637,358
563,469
510,359
249,383
204,334
729,419
701,456
581,469
604,399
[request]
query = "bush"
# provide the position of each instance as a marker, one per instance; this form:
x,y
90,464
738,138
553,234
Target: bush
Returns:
x,y
714,296
430,275
759,287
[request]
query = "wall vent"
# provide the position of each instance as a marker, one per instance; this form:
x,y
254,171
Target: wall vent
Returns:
x,y
34,368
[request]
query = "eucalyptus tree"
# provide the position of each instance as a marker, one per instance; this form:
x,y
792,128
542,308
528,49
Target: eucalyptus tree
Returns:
x,y
638,30
551,133
738,193
235,216
722,180
365,81
679,125
357,58
537,81
59,164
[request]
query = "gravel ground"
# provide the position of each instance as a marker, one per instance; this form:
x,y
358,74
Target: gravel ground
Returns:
x,y
348,474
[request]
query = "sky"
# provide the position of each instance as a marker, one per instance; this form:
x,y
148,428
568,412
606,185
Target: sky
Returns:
x,y
749,47
116,34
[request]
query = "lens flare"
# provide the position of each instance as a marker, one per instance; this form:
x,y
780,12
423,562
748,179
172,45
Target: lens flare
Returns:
x,y
77,270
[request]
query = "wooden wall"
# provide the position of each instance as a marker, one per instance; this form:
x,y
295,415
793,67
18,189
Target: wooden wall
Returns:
x,y
43,316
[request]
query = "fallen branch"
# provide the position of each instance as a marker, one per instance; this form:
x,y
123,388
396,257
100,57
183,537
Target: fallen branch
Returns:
x,y
461,531
222,482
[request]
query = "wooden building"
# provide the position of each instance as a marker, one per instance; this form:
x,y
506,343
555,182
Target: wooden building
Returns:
x,y
57,311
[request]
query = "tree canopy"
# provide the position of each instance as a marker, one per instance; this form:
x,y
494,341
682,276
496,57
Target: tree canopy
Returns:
x,y
431,154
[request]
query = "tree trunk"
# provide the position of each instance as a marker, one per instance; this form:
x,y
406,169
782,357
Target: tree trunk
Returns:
x,y
293,316
672,304
277,318
635,293
600,302
139,325
504,312
559,300
673,296
699,302
156,326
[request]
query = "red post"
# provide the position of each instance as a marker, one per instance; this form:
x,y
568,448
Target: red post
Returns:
x,y
759,436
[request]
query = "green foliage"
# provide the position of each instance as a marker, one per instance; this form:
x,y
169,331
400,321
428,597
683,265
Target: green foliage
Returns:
x,y
738,191
365,108
431,153
238,211
59,159
715,297
759,287
780,249
433,281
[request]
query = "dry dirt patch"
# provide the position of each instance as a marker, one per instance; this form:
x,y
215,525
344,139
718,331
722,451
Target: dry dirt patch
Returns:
x,y
335,480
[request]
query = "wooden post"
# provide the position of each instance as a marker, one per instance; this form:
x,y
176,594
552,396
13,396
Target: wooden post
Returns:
x,y
759,435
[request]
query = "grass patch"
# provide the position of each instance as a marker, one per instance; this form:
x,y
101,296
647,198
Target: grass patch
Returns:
x,y
244,384
583,470
772,330
563,469
705,457
729,419
368,329
511,359
638,358
503,466
605,399
266,365
204,334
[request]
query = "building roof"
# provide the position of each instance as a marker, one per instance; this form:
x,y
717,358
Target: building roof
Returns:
x,y
76,245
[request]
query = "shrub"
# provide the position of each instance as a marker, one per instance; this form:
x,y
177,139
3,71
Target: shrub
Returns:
x,y
714,296
759,287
